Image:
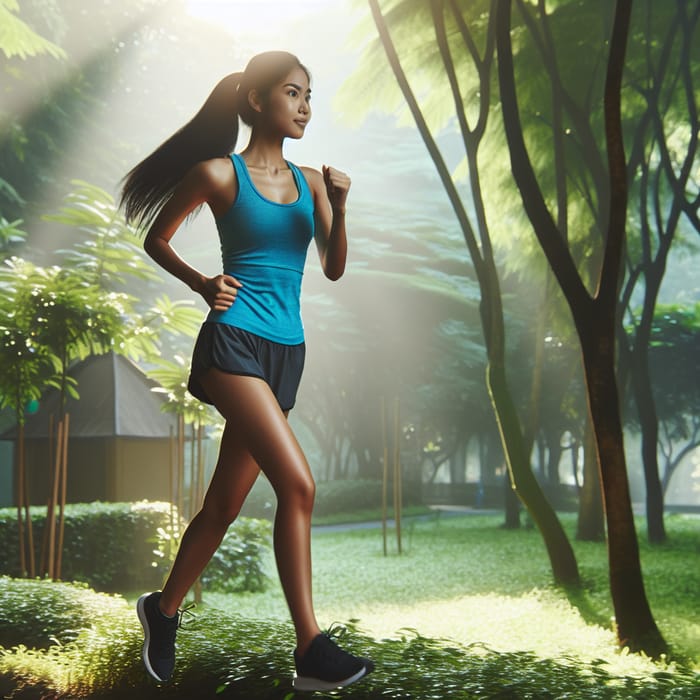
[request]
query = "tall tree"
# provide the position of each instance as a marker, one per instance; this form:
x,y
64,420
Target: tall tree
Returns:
x,y
594,316
662,167
454,38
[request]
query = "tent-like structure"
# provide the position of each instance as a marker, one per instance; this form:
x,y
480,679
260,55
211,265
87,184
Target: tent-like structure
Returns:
x,y
119,445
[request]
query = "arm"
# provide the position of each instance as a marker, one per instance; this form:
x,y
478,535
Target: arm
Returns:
x,y
330,190
204,183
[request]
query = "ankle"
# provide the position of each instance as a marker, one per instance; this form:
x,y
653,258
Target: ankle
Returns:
x,y
304,640
167,609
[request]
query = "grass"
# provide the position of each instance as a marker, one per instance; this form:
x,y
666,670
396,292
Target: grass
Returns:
x,y
468,580
466,611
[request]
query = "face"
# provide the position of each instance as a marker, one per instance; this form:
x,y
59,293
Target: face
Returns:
x,y
287,107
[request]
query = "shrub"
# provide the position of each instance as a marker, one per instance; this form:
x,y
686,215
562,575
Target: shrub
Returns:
x,y
40,613
225,656
237,564
109,546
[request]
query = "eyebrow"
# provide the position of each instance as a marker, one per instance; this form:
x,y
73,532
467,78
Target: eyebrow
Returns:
x,y
297,87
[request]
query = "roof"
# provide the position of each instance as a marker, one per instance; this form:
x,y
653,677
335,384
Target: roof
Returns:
x,y
116,400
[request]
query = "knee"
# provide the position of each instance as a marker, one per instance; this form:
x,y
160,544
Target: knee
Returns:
x,y
298,493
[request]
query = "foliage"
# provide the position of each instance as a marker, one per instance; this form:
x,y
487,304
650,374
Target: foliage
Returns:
x,y
41,613
10,234
18,39
172,377
107,545
109,257
237,565
27,364
227,656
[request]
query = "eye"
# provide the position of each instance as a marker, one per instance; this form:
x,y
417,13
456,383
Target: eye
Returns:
x,y
292,92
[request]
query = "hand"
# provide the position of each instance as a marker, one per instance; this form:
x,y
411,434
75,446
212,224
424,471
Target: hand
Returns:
x,y
337,186
220,292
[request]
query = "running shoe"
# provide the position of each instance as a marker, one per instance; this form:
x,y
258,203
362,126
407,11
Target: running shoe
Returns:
x,y
326,666
159,637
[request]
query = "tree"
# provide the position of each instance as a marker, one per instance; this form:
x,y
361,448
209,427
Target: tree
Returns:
x,y
594,316
663,118
674,368
454,38
26,366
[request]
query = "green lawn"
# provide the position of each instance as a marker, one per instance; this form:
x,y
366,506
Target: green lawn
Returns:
x,y
467,611
466,579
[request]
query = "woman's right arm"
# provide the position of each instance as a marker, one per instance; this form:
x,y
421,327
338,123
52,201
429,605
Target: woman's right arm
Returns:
x,y
202,184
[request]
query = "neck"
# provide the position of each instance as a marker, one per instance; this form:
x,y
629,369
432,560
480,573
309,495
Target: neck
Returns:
x,y
264,152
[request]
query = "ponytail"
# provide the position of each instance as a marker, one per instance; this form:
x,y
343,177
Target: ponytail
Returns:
x,y
211,133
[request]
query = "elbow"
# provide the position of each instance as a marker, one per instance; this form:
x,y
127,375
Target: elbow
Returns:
x,y
150,246
334,274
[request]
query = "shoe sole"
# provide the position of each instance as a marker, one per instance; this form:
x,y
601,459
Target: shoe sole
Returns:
x,y
141,612
307,683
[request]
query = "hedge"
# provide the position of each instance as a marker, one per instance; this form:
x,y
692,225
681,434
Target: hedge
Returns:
x,y
109,546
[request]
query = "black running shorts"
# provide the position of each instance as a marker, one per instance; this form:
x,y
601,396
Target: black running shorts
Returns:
x,y
233,350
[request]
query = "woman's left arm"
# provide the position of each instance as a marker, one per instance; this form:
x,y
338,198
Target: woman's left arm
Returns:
x,y
330,190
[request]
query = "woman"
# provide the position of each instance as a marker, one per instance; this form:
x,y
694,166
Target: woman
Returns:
x,y
249,355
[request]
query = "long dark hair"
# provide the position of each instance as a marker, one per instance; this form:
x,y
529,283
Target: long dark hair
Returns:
x,y
211,133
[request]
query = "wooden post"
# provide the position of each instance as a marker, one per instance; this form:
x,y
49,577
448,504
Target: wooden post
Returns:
x,y
192,500
385,473
171,467
180,466
19,495
397,475
198,491
64,486
53,500
43,558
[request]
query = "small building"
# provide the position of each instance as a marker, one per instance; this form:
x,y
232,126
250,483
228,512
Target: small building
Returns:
x,y
119,447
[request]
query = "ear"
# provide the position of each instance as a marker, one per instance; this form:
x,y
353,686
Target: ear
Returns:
x,y
254,101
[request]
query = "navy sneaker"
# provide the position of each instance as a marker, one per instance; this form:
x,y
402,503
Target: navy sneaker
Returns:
x,y
326,666
159,632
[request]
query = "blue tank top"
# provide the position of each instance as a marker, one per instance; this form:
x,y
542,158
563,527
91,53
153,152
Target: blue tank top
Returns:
x,y
264,246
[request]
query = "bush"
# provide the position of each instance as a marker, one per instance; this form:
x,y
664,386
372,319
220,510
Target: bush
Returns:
x,y
109,546
39,613
225,656
237,564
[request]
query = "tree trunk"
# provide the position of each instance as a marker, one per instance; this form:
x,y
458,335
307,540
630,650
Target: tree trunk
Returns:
x,y
646,407
561,554
591,518
594,318
635,624
562,559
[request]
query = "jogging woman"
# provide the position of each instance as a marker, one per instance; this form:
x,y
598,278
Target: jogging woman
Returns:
x,y
249,355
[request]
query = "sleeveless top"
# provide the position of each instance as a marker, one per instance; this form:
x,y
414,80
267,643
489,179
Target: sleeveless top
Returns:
x,y
264,246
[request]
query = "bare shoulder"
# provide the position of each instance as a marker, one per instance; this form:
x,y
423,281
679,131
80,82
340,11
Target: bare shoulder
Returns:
x,y
215,173
313,177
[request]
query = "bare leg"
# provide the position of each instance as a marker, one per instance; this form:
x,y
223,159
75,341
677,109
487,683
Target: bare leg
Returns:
x,y
234,476
262,430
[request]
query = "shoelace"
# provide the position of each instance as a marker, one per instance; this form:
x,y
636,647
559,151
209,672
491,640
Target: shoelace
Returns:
x,y
186,611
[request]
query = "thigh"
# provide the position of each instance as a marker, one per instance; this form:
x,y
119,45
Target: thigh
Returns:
x,y
261,427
